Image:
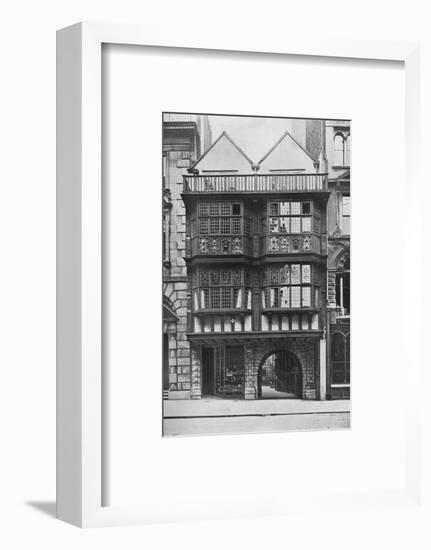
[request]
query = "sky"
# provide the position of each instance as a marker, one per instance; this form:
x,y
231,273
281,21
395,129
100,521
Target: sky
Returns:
x,y
254,135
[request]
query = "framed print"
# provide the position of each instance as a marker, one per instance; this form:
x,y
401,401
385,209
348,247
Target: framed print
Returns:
x,y
224,315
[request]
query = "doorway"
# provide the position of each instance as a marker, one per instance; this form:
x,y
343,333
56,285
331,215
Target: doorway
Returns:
x,y
280,376
208,374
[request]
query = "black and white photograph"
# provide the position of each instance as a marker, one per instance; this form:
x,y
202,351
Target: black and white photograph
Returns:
x,y
256,274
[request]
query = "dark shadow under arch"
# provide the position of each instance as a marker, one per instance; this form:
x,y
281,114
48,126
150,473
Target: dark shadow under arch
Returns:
x,y
284,378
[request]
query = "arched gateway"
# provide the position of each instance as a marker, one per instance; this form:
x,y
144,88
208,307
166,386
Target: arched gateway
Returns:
x,y
280,376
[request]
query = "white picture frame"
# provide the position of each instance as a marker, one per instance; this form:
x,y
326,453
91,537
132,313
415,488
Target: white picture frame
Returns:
x,y
79,260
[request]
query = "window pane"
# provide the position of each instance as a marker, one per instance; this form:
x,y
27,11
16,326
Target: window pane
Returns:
x,y
214,208
225,225
337,347
225,208
273,225
236,209
204,278
295,225
284,208
284,225
285,274
346,205
295,207
284,296
236,226
236,277
215,298
306,274
225,278
306,296
246,226
203,226
295,274
306,208
226,298
339,375
296,296
338,150
215,278
205,298
273,297
203,209
306,225
273,208
214,225
348,150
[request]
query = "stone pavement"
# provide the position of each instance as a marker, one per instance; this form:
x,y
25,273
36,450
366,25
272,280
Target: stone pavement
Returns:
x,y
210,416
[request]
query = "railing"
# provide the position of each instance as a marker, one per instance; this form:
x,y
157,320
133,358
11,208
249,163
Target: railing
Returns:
x,y
256,183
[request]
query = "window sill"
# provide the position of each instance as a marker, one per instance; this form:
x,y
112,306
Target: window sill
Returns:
x,y
221,311
290,309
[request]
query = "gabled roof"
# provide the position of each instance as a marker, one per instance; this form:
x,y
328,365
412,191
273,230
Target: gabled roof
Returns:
x,y
294,157
237,161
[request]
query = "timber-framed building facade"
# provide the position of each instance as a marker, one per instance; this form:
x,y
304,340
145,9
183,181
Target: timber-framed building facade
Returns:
x,y
255,264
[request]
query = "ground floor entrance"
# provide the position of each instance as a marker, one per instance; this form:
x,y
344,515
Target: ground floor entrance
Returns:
x,y
284,368
280,376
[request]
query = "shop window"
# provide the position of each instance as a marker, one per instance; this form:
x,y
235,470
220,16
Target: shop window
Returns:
x,y
340,358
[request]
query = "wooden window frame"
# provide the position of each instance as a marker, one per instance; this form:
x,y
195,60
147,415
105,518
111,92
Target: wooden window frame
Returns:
x,y
310,215
275,287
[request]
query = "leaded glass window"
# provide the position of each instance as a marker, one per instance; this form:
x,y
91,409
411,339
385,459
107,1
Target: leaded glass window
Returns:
x,y
222,288
340,358
288,286
222,218
287,217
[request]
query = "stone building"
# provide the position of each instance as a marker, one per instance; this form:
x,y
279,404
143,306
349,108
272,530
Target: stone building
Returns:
x,y
185,137
330,141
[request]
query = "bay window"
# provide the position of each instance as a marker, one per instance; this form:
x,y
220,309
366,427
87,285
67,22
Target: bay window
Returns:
x,y
221,288
220,218
289,217
288,286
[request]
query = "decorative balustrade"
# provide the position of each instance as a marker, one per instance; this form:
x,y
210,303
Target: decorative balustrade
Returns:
x,y
256,183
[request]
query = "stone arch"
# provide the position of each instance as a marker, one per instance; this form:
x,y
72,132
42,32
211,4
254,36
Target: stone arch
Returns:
x,y
338,255
296,374
170,297
306,351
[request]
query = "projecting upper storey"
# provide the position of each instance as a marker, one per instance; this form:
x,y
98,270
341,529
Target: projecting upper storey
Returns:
x,y
225,168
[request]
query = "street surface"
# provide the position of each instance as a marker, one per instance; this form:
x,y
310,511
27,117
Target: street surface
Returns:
x,y
211,416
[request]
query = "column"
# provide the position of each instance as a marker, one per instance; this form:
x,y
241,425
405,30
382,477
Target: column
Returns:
x,y
322,366
195,392
250,374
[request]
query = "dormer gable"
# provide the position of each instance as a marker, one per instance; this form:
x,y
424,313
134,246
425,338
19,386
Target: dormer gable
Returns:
x,y
223,157
287,156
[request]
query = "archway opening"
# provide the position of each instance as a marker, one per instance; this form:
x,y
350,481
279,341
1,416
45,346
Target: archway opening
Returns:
x,y
280,376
